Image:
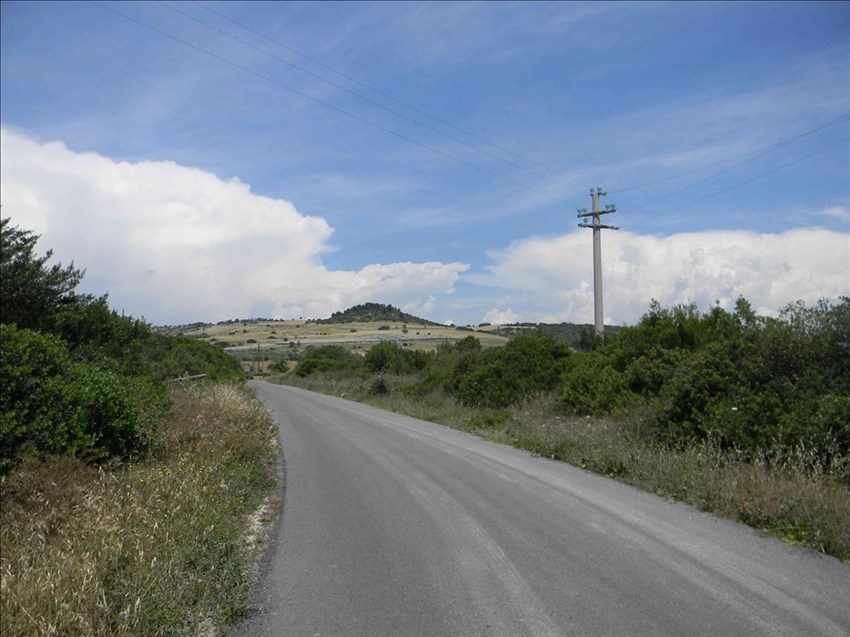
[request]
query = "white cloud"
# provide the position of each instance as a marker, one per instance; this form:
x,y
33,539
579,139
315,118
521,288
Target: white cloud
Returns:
x,y
421,308
502,317
770,270
178,244
842,213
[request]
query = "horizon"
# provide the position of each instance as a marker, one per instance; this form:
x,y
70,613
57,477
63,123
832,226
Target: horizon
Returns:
x,y
211,160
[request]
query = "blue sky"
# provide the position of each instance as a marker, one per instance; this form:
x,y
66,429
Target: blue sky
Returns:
x,y
194,179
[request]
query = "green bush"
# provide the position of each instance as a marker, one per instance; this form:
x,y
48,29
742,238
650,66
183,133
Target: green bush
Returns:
x,y
50,403
88,381
468,344
389,357
820,422
163,357
379,387
759,385
325,358
591,385
498,377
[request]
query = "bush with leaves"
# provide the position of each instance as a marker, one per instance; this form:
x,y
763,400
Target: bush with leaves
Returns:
x,y
50,403
746,382
498,377
592,385
163,357
323,358
77,377
389,357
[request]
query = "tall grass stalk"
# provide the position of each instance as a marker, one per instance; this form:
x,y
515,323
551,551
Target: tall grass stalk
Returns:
x,y
152,548
788,495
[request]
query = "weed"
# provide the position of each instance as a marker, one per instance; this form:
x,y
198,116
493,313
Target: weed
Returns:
x,y
150,548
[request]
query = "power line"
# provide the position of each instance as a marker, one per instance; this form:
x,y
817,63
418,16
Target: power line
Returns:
x,y
436,150
748,156
331,106
755,153
695,183
744,183
381,93
364,98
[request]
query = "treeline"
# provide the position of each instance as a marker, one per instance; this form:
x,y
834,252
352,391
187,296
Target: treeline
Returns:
x,y
579,336
369,312
747,383
78,377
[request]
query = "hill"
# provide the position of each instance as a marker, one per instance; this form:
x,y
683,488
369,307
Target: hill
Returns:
x,y
369,312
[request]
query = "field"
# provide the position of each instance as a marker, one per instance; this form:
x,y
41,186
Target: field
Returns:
x,y
276,339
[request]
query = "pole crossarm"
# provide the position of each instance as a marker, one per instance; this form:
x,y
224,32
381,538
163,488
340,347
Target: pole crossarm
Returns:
x,y
601,225
608,210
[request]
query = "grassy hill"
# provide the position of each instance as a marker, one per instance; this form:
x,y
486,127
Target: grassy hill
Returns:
x,y
359,328
268,341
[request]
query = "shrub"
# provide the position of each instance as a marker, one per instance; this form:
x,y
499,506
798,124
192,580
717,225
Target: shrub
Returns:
x,y
498,377
52,404
379,387
390,357
324,358
468,344
749,383
591,385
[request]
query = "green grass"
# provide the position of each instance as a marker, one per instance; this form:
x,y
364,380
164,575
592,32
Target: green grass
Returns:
x,y
786,495
153,548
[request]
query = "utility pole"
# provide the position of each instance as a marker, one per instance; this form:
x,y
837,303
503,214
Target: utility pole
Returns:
x,y
595,212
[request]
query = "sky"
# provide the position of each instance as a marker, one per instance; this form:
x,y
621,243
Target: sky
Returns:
x,y
203,161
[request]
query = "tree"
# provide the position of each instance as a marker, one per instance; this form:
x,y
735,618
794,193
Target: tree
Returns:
x,y
32,293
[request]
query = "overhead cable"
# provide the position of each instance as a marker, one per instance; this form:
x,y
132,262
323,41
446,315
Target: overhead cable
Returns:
x,y
364,98
754,154
332,106
380,92
752,179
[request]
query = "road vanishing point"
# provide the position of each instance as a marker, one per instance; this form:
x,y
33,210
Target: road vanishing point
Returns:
x,y
393,526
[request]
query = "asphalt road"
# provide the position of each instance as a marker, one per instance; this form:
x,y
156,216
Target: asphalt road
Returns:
x,y
394,526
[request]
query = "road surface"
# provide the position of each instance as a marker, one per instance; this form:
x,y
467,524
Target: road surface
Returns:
x,y
393,526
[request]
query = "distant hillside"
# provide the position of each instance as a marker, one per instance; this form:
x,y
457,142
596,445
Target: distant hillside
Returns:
x,y
368,312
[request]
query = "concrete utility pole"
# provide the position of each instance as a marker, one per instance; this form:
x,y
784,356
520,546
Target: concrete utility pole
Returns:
x,y
595,194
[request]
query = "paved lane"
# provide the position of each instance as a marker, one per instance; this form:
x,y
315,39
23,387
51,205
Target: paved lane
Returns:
x,y
394,526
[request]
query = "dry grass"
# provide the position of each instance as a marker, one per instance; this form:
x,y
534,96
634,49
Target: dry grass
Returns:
x,y
154,548
788,495
277,335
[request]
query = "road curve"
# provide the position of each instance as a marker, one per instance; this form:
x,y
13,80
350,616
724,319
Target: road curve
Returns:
x,y
393,526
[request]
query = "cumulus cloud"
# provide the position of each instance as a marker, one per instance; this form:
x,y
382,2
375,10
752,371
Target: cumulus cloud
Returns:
x,y
420,307
555,275
179,244
502,317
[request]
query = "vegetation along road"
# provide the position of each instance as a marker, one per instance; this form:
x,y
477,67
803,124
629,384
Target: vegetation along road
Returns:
x,y
395,526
